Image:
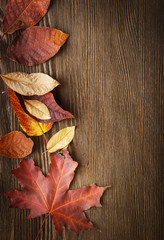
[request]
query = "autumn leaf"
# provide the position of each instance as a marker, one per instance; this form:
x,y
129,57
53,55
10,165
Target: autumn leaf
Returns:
x,y
21,14
37,109
15,145
38,112
51,194
28,124
29,84
61,139
36,45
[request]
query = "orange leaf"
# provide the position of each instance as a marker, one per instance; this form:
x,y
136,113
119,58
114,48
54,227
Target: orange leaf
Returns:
x,y
21,14
28,124
15,145
51,194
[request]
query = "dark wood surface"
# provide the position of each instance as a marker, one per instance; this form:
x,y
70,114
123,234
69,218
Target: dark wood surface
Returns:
x,y
110,72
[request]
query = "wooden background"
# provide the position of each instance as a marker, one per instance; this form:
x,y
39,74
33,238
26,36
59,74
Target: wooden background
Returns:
x,y
110,72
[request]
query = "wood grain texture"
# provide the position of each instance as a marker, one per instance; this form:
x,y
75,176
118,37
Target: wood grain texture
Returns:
x,y
111,72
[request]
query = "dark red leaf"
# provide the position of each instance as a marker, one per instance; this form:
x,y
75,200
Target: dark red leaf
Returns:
x,y
51,194
56,112
21,14
36,45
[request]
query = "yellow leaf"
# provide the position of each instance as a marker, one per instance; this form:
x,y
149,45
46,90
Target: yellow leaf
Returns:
x,y
30,84
61,139
37,109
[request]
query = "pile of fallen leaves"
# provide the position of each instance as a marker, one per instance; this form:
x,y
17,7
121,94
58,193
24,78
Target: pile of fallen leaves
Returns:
x,y
37,110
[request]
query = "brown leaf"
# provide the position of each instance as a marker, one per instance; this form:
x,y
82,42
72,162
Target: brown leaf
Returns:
x,y
56,112
21,14
15,145
36,45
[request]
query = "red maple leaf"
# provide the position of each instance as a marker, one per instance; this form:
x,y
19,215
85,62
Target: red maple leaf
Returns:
x,y
51,194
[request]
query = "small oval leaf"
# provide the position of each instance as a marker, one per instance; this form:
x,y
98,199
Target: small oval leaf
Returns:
x,y
37,109
61,139
30,84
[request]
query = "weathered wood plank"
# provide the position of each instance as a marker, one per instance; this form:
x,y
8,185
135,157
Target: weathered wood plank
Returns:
x,y
111,74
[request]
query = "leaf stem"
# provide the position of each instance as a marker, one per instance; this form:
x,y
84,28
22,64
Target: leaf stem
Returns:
x,y
4,91
45,152
42,226
2,37
43,133
45,138
64,235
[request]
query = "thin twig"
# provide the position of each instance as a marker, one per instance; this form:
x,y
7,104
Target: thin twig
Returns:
x,y
64,235
46,142
45,152
45,138
5,92
2,37
41,226
49,159
43,133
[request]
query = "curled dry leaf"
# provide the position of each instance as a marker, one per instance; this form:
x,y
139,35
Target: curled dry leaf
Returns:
x,y
51,194
15,145
29,84
61,139
28,124
23,13
57,113
36,45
